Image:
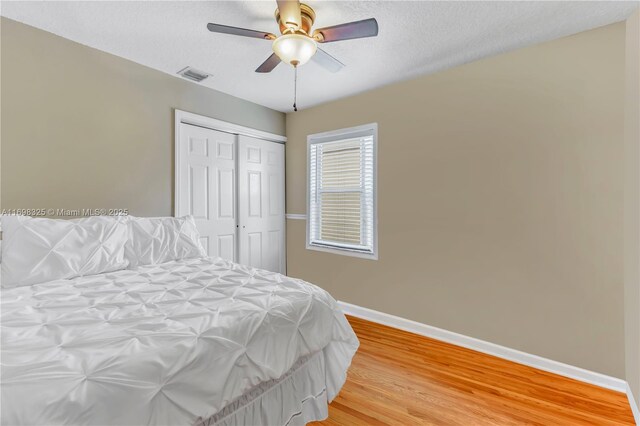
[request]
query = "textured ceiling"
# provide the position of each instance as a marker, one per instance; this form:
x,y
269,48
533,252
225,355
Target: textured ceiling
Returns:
x,y
415,38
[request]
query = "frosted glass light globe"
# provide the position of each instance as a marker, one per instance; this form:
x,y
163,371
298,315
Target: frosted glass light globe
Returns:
x,y
295,49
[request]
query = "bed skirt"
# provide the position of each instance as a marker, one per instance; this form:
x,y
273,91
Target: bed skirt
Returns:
x,y
300,396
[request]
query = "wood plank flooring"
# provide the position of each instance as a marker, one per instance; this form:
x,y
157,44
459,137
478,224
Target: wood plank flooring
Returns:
x,y
399,378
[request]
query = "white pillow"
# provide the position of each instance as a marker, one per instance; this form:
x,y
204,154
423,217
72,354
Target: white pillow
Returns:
x,y
154,240
35,250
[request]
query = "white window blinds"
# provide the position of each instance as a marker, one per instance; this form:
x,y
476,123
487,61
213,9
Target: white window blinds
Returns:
x,y
342,192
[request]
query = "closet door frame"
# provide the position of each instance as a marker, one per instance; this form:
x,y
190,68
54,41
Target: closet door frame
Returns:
x,y
184,117
221,126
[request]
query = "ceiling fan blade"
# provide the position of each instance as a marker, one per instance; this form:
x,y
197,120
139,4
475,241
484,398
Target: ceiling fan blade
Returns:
x,y
351,30
268,65
290,12
225,29
327,61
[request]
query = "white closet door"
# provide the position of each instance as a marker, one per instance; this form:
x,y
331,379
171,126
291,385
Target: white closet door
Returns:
x,y
261,203
207,187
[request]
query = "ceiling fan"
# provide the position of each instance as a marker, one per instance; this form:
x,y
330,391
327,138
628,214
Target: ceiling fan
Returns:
x,y
297,44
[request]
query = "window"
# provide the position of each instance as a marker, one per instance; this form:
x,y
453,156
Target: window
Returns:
x,y
342,192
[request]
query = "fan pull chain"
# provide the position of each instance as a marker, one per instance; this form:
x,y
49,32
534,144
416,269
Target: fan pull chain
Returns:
x,y
295,88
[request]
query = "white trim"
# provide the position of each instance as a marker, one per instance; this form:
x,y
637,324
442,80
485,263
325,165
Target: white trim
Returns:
x,y
223,126
343,252
634,405
514,355
296,216
365,129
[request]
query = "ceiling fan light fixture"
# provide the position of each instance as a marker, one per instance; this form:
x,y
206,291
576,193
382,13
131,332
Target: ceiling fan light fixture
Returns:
x,y
295,49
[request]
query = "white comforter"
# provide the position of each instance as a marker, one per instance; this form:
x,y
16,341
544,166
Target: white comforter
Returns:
x,y
165,344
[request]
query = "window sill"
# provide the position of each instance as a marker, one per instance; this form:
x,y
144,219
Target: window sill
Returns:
x,y
344,252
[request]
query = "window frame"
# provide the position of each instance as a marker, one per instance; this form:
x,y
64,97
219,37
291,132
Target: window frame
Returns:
x,y
370,129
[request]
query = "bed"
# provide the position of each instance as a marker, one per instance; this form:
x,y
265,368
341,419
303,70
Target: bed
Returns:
x,y
196,341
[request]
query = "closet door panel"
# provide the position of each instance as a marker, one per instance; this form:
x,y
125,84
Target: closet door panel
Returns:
x,y
226,193
207,171
227,246
261,203
254,193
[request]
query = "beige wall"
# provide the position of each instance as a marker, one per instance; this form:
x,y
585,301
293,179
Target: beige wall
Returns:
x,y
85,129
632,204
500,200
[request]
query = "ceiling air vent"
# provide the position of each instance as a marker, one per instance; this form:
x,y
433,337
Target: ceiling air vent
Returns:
x,y
193,74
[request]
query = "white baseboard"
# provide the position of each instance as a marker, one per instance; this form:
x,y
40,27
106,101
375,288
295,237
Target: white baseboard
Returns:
x,y
514,355
634,405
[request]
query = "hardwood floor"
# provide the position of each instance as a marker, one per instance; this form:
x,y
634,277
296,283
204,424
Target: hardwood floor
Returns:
x,y
399,378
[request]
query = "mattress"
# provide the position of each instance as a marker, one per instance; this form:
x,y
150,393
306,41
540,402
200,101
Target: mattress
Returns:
x,y
173,343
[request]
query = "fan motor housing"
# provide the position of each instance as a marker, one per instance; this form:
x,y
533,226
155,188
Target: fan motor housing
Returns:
x,y
308,17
